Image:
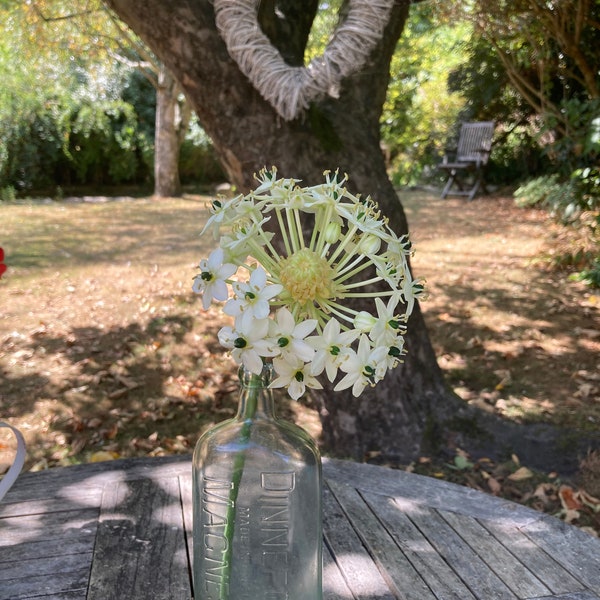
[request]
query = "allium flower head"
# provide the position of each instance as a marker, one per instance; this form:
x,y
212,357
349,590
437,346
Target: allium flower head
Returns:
x,y
295,303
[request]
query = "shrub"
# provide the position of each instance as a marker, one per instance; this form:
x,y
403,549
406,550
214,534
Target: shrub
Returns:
x,y
536,191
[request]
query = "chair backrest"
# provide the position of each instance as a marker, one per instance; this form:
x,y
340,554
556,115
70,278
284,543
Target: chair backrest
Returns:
x,y
475,142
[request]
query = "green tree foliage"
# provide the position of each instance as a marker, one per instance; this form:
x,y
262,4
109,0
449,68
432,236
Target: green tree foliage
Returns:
x,y
28,117
78,101
549,54
63,119
420,110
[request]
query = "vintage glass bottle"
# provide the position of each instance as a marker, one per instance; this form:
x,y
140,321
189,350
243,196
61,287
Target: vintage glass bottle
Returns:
x,y
257,504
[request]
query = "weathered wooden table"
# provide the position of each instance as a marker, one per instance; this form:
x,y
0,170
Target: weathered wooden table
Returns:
x,y
121,531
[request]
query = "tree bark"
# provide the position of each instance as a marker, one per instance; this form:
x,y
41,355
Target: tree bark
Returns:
x,y
395,417
170,123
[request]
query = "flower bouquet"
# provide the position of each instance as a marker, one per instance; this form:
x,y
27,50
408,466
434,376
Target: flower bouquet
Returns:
x,y
290,293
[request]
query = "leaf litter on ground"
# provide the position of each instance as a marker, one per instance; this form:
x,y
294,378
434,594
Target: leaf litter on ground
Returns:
x,y
105,354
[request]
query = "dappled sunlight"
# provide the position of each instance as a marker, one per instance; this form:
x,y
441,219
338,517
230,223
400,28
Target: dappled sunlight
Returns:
x,y
497,320
336,586
351,565
408,507
590,344
36,527
508,321
86,492
523,408
104,350
23,531
555,346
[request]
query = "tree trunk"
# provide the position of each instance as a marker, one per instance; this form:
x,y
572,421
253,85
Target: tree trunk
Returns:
x,y
170,123
395,417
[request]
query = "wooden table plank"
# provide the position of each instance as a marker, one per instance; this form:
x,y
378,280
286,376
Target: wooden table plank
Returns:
x,y
568,546
43,556
572,596
185,490
531,556
441,579
72,595
140,546
466,563
504,564
359,572
85,497
60,576
388,535
405,582
434,493
334,584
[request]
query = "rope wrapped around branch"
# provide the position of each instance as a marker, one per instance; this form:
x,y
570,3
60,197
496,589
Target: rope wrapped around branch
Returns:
x,y
290,90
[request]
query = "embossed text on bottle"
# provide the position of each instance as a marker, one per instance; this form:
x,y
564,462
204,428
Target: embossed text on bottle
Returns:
x,y
274,504
215,505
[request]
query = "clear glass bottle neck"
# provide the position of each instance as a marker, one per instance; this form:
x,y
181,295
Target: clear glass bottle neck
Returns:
x,y
256,397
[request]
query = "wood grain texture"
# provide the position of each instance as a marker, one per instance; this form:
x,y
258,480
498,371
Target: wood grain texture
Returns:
x,y
122,531
140,547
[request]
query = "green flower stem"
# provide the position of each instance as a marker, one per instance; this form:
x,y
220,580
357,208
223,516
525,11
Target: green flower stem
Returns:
x,y
283,231
368,294
265,260
251,394
299,228
338,311
352,270
350,286
347,239
293,233
317,241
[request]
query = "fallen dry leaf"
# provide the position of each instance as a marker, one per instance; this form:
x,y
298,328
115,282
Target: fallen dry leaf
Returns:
x,y
494,485
520,474
103,455
568,498
570,515
589,500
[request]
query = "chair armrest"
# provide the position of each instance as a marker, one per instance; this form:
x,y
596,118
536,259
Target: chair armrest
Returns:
x,y
449,156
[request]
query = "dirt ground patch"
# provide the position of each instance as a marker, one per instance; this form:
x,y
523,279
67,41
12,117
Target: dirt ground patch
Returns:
x,y
105,352
512,335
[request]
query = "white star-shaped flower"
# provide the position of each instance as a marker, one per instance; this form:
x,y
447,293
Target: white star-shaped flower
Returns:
x,y
248,347
288,337
252,299
332,347
294,375
388,325
364,367
411,291
210,282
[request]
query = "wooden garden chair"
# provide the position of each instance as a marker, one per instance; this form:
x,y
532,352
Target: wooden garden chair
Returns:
x,y
466,171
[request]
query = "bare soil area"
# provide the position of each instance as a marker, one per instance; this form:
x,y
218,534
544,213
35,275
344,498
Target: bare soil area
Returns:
x,y
106,353
513,335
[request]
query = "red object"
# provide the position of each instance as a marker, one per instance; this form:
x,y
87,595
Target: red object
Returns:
x,y
2,265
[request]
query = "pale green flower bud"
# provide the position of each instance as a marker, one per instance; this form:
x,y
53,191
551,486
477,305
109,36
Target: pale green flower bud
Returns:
x,y
364,321
369,244
332,232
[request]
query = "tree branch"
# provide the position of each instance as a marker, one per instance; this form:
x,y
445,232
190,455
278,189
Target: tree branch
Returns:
x,y
67,17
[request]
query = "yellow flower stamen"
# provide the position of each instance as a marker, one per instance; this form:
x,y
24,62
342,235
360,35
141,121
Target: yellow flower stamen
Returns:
x,y
307,277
